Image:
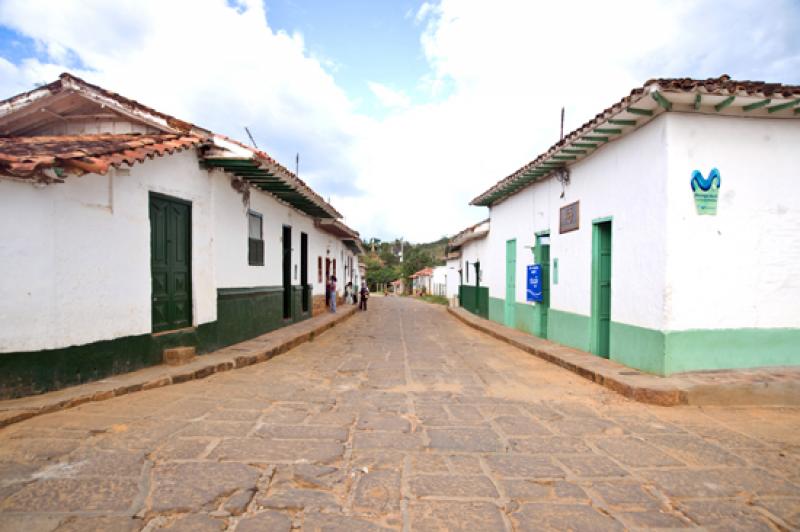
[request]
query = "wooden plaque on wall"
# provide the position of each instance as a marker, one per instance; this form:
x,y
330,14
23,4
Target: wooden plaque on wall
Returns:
x,y
569,217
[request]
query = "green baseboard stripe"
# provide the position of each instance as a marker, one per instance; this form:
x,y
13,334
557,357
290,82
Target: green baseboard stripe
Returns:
x,y
496,310
525,316
242,313
637,347
569,329
658,352
731,348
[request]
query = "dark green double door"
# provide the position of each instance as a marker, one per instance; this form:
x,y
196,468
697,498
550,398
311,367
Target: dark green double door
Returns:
x,y
170,262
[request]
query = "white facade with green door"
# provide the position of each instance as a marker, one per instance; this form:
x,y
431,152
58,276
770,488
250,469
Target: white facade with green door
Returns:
x,y
646,278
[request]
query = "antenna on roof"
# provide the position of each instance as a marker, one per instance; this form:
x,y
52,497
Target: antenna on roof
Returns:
x,y
562,125
297,164
252,140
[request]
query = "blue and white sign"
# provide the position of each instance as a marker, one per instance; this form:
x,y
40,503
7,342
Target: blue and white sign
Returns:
x,y
534,284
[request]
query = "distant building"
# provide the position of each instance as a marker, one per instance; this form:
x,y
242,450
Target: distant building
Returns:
x,y
464,252
421,281
124,231
664,233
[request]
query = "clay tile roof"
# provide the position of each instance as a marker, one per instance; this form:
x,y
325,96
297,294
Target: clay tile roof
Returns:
x,y
720,87
51,158
70,82
424,272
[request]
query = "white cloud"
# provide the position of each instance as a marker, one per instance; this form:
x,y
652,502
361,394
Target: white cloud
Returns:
x,y
498,77
389,97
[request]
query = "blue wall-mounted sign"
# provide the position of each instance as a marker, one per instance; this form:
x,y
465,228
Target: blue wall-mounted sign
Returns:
x,y
706,191
534,284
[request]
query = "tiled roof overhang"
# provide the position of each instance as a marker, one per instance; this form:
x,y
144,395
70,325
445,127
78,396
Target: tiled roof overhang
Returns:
x,y
349,236
67,84
468,234
715,96
50,159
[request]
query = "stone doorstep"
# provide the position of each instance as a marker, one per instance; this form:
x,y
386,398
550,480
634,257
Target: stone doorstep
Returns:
x,y
262,348
720,388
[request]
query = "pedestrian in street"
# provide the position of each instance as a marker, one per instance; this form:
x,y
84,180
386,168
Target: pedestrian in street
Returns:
x,y
364,296
348,292
333,293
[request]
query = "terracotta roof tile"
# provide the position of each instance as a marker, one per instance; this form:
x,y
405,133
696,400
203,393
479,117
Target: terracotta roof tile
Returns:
x,y
31,157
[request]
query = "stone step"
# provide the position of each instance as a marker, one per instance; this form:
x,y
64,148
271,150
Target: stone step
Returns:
x,y
178,356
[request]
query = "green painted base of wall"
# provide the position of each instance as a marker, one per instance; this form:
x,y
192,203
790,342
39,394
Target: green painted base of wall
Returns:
x,y
496,310
242,313
569,329
525,316
637,347
731,348
663,353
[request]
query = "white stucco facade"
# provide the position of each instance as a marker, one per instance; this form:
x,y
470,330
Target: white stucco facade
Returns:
x,y
688,291
76,255
745,261
625,180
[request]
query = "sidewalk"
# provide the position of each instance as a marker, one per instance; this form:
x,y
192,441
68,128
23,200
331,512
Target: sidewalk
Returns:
x,y
253,351
747,387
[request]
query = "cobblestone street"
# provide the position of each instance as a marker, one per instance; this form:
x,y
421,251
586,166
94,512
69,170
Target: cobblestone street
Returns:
x,y
401,418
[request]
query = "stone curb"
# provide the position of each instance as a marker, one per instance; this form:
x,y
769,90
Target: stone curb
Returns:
x,y
272,343
685,389
588,366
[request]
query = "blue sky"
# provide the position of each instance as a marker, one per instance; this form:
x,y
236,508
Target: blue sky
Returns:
x,y
402,111
361,40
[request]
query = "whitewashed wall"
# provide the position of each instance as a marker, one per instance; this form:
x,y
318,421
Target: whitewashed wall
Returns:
x,y
76,256
231,235
476,251
740,268
625,179
453,265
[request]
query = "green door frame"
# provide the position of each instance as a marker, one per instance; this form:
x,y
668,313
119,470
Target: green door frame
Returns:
x,y
509,314
599,341
542,257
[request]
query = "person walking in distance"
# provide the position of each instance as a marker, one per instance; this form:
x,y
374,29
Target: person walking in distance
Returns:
x,y
333,293
364,296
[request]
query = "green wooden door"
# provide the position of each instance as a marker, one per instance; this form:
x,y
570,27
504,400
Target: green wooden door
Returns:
x,y
601,288
170,263
544,260
511,282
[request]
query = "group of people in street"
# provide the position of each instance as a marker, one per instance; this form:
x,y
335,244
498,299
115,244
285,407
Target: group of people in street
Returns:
x,y
350,294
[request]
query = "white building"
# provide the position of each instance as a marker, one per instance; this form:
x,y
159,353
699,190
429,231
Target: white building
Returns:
x,y
124,231
667,230
464,252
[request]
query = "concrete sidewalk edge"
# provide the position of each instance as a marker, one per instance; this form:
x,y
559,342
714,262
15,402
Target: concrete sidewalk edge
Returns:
x,y
630,383
236,356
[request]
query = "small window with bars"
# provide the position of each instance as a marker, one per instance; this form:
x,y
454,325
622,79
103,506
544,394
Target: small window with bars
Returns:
x,y
255,240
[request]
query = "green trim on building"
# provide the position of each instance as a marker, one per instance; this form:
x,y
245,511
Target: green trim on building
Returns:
x,y
694,350
638,347
525,315
242,313
496,309
569,329
474,299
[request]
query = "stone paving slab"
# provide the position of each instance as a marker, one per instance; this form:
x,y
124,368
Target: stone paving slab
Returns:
x,y
747,387
469,434
253,351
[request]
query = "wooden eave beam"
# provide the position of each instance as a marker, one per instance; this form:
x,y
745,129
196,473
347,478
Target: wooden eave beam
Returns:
x,y
724,103
608,131
618,122
639,111
756,105
661,100
782,106
596,139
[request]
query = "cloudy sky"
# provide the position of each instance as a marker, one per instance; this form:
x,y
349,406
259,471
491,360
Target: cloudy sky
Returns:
x,y
402,111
